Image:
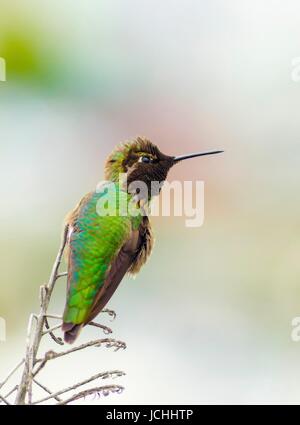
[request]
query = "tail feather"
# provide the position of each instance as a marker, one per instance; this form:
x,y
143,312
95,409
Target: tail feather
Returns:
x,y
71,331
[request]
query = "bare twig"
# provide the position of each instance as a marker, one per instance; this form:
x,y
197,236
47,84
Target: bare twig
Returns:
x,y
50,330
105,390
53,316
11,391
12,372
4,400
61,275
46,389
38,327
109,343
51,355
33,347
29,361
102,375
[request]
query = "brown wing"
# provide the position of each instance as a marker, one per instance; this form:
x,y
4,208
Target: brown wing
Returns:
x,y
145,248
130,258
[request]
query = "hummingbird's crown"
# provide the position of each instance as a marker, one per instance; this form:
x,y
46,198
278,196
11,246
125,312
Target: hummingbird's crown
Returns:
x,y
125,155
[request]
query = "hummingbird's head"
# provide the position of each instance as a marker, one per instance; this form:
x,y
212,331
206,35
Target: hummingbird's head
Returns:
x,y
141,160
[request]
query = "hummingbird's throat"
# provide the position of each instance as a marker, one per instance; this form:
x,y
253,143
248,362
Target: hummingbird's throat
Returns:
x,y
139,189
143,205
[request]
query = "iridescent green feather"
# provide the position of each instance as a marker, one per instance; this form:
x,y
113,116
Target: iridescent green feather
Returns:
x,y
94,244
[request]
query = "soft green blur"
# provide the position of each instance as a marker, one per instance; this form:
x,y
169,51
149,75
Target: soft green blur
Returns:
x,y
209,318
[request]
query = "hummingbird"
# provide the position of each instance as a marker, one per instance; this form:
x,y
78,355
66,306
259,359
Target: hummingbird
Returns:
x,y
102,249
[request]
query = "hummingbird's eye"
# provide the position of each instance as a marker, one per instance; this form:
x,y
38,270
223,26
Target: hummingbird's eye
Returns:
x,y
145,159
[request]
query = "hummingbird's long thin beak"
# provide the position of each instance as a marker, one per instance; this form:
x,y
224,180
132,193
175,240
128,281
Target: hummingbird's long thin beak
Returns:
x,y
194,155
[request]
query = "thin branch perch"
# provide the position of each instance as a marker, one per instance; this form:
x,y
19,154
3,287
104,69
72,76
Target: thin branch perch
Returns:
x,y
46,389
97,391
12,372
38,327
103,375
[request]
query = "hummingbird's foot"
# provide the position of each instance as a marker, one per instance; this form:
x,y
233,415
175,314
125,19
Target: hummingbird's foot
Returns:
x,y
50,330
105,329
56,339
111,313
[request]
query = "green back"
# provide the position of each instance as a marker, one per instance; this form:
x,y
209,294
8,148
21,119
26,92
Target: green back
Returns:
x,y
94,243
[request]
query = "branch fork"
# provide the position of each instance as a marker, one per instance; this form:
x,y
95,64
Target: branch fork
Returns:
x,y
39,327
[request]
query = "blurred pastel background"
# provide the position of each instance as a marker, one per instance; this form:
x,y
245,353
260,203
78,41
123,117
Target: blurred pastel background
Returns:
x,y
209,318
